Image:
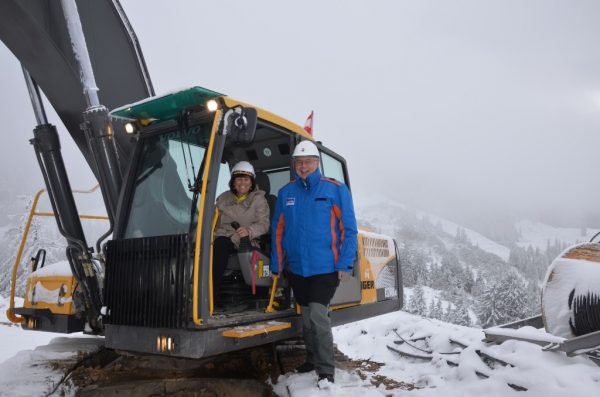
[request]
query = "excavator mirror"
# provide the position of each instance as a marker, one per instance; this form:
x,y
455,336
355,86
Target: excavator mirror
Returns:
x,y
240,125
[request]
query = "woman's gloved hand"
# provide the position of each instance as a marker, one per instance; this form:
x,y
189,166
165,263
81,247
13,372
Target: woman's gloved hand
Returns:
x,y
244,234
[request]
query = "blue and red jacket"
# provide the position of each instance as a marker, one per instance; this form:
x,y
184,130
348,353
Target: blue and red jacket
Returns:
x,y
314,227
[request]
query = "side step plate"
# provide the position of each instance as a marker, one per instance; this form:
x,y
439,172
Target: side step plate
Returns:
x,y
246,331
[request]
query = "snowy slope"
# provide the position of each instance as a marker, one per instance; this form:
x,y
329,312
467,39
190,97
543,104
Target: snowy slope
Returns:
x,y
387,216
475,238
537,235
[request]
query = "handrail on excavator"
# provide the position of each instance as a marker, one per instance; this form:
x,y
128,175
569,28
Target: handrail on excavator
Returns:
x,y
32,213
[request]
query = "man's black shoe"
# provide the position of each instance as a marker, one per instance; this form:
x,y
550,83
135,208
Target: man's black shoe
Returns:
x,y
326,376
304,368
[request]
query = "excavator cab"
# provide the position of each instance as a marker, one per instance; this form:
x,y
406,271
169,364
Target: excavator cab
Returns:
x,y
158,292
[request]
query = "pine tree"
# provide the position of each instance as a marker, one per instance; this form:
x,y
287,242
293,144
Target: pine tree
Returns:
x,y
485,307
460,315
436,309
447,313
417,304
504,301
431,308
513,300
461,236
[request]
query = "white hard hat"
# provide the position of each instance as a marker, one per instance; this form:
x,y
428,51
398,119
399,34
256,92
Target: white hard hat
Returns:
x,y
306,148
243,168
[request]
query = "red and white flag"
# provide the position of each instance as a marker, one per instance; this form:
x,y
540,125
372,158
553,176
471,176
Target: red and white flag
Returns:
x,y
308,125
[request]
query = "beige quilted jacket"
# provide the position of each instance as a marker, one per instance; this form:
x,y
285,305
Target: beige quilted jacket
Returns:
x,y
252,213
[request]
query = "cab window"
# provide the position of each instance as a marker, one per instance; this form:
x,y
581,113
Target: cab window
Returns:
x,y
332,168
223,181
278,179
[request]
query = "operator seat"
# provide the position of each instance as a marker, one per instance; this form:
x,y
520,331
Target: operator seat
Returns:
x,y
263,183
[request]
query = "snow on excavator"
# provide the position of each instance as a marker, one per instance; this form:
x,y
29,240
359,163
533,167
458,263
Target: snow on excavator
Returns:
x,y
160,163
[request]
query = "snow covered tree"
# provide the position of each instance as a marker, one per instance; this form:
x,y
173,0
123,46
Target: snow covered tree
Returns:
x,y
43,233
447,313
503,301
485,307
460,315
430,308
417,304
436,309
461,236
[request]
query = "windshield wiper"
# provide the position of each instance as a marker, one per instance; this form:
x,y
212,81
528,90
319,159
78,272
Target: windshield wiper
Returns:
x,y
196,189
183,125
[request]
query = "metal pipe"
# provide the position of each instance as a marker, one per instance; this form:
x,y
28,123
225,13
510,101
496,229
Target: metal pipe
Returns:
x,y
36,98
90,90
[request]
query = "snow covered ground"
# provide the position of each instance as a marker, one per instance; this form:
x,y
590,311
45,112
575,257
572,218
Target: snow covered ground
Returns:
x,y
547,374
24,356
13,339
543,373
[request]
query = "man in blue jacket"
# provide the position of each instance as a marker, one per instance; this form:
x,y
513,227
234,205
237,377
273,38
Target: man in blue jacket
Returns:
x,y
314,235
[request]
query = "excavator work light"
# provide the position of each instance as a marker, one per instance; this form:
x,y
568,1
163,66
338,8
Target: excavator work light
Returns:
x,y
130,128
164,344
212,105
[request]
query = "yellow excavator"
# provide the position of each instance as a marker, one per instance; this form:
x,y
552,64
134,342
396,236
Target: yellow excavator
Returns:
x,y
161,161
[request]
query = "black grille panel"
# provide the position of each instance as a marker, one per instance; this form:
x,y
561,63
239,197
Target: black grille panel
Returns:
x,y
148,282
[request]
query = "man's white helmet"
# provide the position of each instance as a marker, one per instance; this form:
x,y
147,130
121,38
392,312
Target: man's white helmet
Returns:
x,y
306,148
243,168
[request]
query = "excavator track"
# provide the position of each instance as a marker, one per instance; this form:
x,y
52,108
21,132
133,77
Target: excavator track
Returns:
x,y
245,373
111,373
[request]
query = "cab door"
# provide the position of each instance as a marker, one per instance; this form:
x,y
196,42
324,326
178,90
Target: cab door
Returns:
x,y
349,290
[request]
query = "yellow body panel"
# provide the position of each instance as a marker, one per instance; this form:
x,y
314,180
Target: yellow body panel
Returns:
x,y
50,292
367,278
374,255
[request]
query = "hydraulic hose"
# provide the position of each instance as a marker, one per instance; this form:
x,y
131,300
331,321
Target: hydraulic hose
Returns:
x,y
585,313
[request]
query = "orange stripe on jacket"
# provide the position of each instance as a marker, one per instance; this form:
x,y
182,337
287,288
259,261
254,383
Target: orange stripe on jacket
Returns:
x,y
334,237
335,182
279,240
338,213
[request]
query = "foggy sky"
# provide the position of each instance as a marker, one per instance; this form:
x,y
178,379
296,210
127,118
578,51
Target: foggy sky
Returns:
x,y
473,110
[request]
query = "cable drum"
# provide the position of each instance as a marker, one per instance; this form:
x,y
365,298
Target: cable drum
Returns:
x,y
571,292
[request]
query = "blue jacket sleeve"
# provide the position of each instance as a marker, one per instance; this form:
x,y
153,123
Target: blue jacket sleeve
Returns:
x,y
277,229
349,242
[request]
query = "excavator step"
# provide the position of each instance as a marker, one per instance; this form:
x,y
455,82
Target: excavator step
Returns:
x,y
246,331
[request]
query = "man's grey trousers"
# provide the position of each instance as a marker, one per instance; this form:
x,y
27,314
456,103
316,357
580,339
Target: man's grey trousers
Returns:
x,y
316,328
